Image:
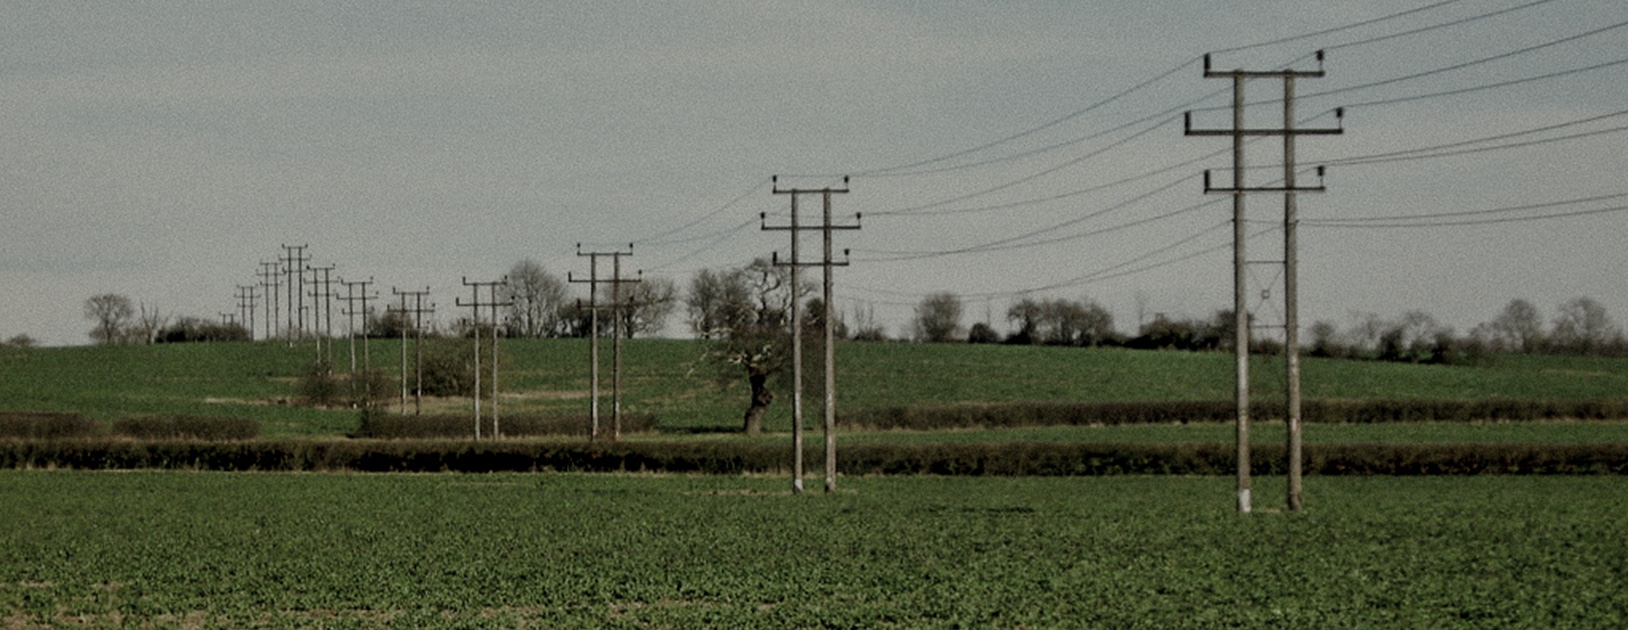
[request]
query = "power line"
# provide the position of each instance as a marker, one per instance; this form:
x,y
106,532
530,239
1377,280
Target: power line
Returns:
x,y
1467,64
1433,27
1512,145
1489,86
1336,29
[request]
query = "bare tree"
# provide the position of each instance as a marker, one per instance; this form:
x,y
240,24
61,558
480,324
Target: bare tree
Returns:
x,y
1519,327
112,313
648,304
536,297
938,318
1582,326
744,317
149,323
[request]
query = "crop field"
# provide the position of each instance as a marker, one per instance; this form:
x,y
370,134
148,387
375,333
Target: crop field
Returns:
x,y
176,549
666,378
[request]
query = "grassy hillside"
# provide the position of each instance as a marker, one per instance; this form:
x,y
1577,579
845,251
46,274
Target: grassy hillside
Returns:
x,y
667,378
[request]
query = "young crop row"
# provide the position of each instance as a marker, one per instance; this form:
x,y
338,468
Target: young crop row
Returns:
x,y
740,457
211,550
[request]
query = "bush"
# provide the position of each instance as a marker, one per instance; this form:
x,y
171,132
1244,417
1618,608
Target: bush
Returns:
x,y
32,425
322,388
457,426
187,428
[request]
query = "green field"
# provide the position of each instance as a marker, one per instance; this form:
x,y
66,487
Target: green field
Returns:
x,y
174,549
666,378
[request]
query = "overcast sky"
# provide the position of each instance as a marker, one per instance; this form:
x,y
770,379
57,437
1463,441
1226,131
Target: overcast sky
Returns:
x,y
163,150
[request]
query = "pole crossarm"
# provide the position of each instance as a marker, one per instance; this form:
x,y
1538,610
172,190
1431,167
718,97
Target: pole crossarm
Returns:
x,y
1211,73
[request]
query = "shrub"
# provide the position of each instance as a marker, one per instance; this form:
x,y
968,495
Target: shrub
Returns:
x,y
32,425
187,428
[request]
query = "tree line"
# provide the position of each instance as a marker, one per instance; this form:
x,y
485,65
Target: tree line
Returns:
x,y
1580,326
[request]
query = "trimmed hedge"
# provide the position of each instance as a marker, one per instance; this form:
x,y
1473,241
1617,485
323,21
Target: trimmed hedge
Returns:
x,y
451,426
46,426
34,425
1029,414
1005,459
186,428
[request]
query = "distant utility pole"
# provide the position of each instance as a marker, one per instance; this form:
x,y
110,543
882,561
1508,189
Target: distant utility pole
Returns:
x,y
416,313
1290,223
358,292
475,304
616,280
270,284
245,306
826,263
322,303
293,263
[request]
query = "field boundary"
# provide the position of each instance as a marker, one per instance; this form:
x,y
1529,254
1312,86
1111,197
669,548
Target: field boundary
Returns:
x,y
977,459
1321,411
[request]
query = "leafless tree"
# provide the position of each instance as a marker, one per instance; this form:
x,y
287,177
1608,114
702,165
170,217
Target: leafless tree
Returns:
x,y
112,313
1519,327
1582,326
536,297
938,318
744,318
648,304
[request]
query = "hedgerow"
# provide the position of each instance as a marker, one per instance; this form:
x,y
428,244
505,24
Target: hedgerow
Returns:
x,y
446,426
39,425
978,459
1029,414
186,427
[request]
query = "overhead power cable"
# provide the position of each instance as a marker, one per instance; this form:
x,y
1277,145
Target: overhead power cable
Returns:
x,y
1467,64
1337,29
893,170
1489,86
1434,219
1425,29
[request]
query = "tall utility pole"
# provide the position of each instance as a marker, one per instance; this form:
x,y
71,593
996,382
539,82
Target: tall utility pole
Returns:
x,y
294,267
245,306
475,304
322,305
1239,188
417,313
829,315
594,305
496,304
352,296
270,285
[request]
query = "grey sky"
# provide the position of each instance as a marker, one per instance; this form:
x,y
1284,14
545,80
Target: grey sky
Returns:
x,y
163,150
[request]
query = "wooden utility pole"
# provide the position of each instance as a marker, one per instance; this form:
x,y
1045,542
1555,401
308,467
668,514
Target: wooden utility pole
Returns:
x,y
245,306
270,284
322,305
593,281
829,315
417,313
294,260
475,320
1239,188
